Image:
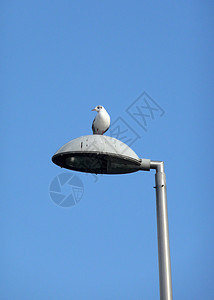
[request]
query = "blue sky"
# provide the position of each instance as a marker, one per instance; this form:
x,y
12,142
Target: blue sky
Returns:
x,y
58,61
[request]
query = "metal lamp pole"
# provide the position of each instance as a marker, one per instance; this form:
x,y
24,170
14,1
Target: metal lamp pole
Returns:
x,y
108,157
165,279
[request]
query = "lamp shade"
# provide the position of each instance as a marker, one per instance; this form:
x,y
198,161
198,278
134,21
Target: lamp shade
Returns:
x,y
98,154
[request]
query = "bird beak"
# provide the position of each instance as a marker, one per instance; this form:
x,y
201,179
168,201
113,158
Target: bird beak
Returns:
x,y
94,109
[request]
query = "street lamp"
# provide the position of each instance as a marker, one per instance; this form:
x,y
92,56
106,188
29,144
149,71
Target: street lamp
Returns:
x,y
101,154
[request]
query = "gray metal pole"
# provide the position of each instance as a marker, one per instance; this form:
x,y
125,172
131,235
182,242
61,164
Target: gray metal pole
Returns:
x,y
165,279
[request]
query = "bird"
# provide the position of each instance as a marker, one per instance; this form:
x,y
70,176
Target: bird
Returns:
x,y
101,122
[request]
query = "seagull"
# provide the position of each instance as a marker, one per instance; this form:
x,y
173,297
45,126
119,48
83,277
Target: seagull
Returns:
x,y
101,122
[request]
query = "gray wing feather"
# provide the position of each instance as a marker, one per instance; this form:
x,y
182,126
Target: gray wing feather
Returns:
x,y
93,128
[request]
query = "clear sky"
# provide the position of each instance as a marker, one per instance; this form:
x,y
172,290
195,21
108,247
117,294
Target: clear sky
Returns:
x,y
59,59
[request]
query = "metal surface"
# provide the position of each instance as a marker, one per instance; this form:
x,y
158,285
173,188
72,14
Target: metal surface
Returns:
x,y
163,232
99,154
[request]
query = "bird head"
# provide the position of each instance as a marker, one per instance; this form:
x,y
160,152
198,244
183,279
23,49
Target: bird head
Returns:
x,y
98,108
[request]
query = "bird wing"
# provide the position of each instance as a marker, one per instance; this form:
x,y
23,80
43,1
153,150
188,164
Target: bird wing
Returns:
x,y
106,129
93,128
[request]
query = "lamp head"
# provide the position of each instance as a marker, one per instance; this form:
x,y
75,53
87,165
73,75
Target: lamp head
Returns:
x,y
98,154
